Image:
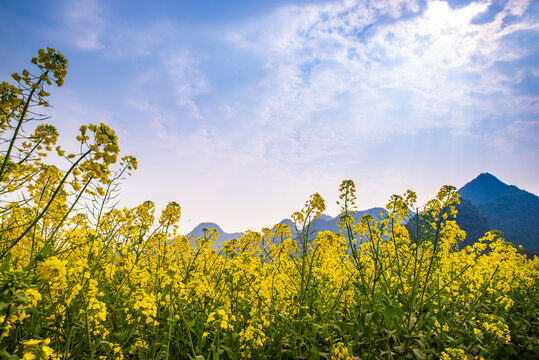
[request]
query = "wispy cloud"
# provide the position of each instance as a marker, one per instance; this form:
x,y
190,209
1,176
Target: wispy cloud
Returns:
x,y
333,73
188,81
385,77
86,24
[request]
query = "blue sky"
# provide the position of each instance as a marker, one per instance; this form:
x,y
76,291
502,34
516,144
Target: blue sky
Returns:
x,y
239,110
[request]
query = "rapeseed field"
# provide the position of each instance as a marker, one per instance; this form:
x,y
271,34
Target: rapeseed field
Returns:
x,y
82,280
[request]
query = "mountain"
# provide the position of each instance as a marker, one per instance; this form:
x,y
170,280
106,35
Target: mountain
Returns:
x,y
327,223
505,207
325,217
198,232
471,221
489,204
323,223
483,189
486,204
288,222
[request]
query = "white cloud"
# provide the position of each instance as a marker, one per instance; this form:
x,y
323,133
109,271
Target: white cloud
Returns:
x,y
514,134
187,80
86,24
525,130
516,7
396,77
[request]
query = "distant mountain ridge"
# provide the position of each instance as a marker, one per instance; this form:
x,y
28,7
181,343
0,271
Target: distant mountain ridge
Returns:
x,y
327,223
323,223
486,204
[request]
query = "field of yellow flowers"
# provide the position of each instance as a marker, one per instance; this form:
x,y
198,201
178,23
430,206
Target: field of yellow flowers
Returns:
x,y
81,280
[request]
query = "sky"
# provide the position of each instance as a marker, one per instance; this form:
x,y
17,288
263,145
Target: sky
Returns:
x,y
239,110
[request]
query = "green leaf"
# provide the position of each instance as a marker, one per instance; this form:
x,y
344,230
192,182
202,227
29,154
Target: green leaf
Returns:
x,y
368,317
419,354
5,263
315,353
43,253
4,355
46,250
288,354
391,313
3,305
509,350
21,296
120,335
228,350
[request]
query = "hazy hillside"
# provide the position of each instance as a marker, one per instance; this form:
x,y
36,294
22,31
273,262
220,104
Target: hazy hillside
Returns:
x,y
332,224
198,231
323,223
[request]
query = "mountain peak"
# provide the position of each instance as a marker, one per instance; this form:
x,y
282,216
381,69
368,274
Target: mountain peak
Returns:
x,y
207,225
483,188
325,217
487,177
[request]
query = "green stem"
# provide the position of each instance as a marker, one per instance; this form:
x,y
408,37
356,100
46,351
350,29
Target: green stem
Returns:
x,y
44,211
18,128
